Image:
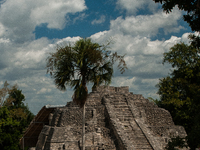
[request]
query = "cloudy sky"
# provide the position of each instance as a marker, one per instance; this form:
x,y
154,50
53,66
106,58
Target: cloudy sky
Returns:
x,y
30,30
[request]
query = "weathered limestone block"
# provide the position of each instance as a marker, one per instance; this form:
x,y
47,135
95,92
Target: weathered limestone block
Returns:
x,y
158,117
42,138
110,89
92,139
115,120
50,118
133,117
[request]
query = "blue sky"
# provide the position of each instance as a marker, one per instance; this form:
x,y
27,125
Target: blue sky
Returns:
x,y
31,29
83,27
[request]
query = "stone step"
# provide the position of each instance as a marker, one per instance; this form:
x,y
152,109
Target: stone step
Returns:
x,y
117,98
134,135
129,129
142,146
119,103
125,119
122,109
120,106
124,113
139,140
126,116
138,133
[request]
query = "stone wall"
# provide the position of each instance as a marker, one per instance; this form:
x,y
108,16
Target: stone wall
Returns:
x,y
115,120
158,117
111,89
156,123
66,127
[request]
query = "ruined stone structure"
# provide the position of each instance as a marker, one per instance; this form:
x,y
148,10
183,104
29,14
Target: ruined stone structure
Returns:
x,y
116,119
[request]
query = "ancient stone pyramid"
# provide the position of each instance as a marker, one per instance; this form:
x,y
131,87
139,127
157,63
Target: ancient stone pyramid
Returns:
x,y
116,119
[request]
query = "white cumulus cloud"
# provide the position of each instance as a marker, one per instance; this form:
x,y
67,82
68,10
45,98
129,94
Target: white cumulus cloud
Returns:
x,y
133,6
148,25
19,18
23,58
132,36
102,19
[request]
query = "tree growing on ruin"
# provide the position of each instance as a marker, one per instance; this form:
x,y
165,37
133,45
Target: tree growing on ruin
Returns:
x,y
83,63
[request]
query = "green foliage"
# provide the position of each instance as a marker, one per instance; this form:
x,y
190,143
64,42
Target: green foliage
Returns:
x,y
195,40
175,143
14,117
191,7
9,133
180,91
194,134
192,15
85,62
76,66
17,96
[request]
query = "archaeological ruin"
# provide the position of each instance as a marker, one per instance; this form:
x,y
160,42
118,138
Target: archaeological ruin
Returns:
x,y
116,119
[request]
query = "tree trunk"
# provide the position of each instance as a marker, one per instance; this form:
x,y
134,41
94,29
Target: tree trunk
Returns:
x,y
83,129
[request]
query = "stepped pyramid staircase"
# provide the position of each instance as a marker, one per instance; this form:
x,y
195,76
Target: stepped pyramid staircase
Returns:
x,y
115,120
130,131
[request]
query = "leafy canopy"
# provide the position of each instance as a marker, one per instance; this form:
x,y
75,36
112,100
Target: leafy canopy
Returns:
x,y
191,15
14,117
191,7
180,91
84,62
